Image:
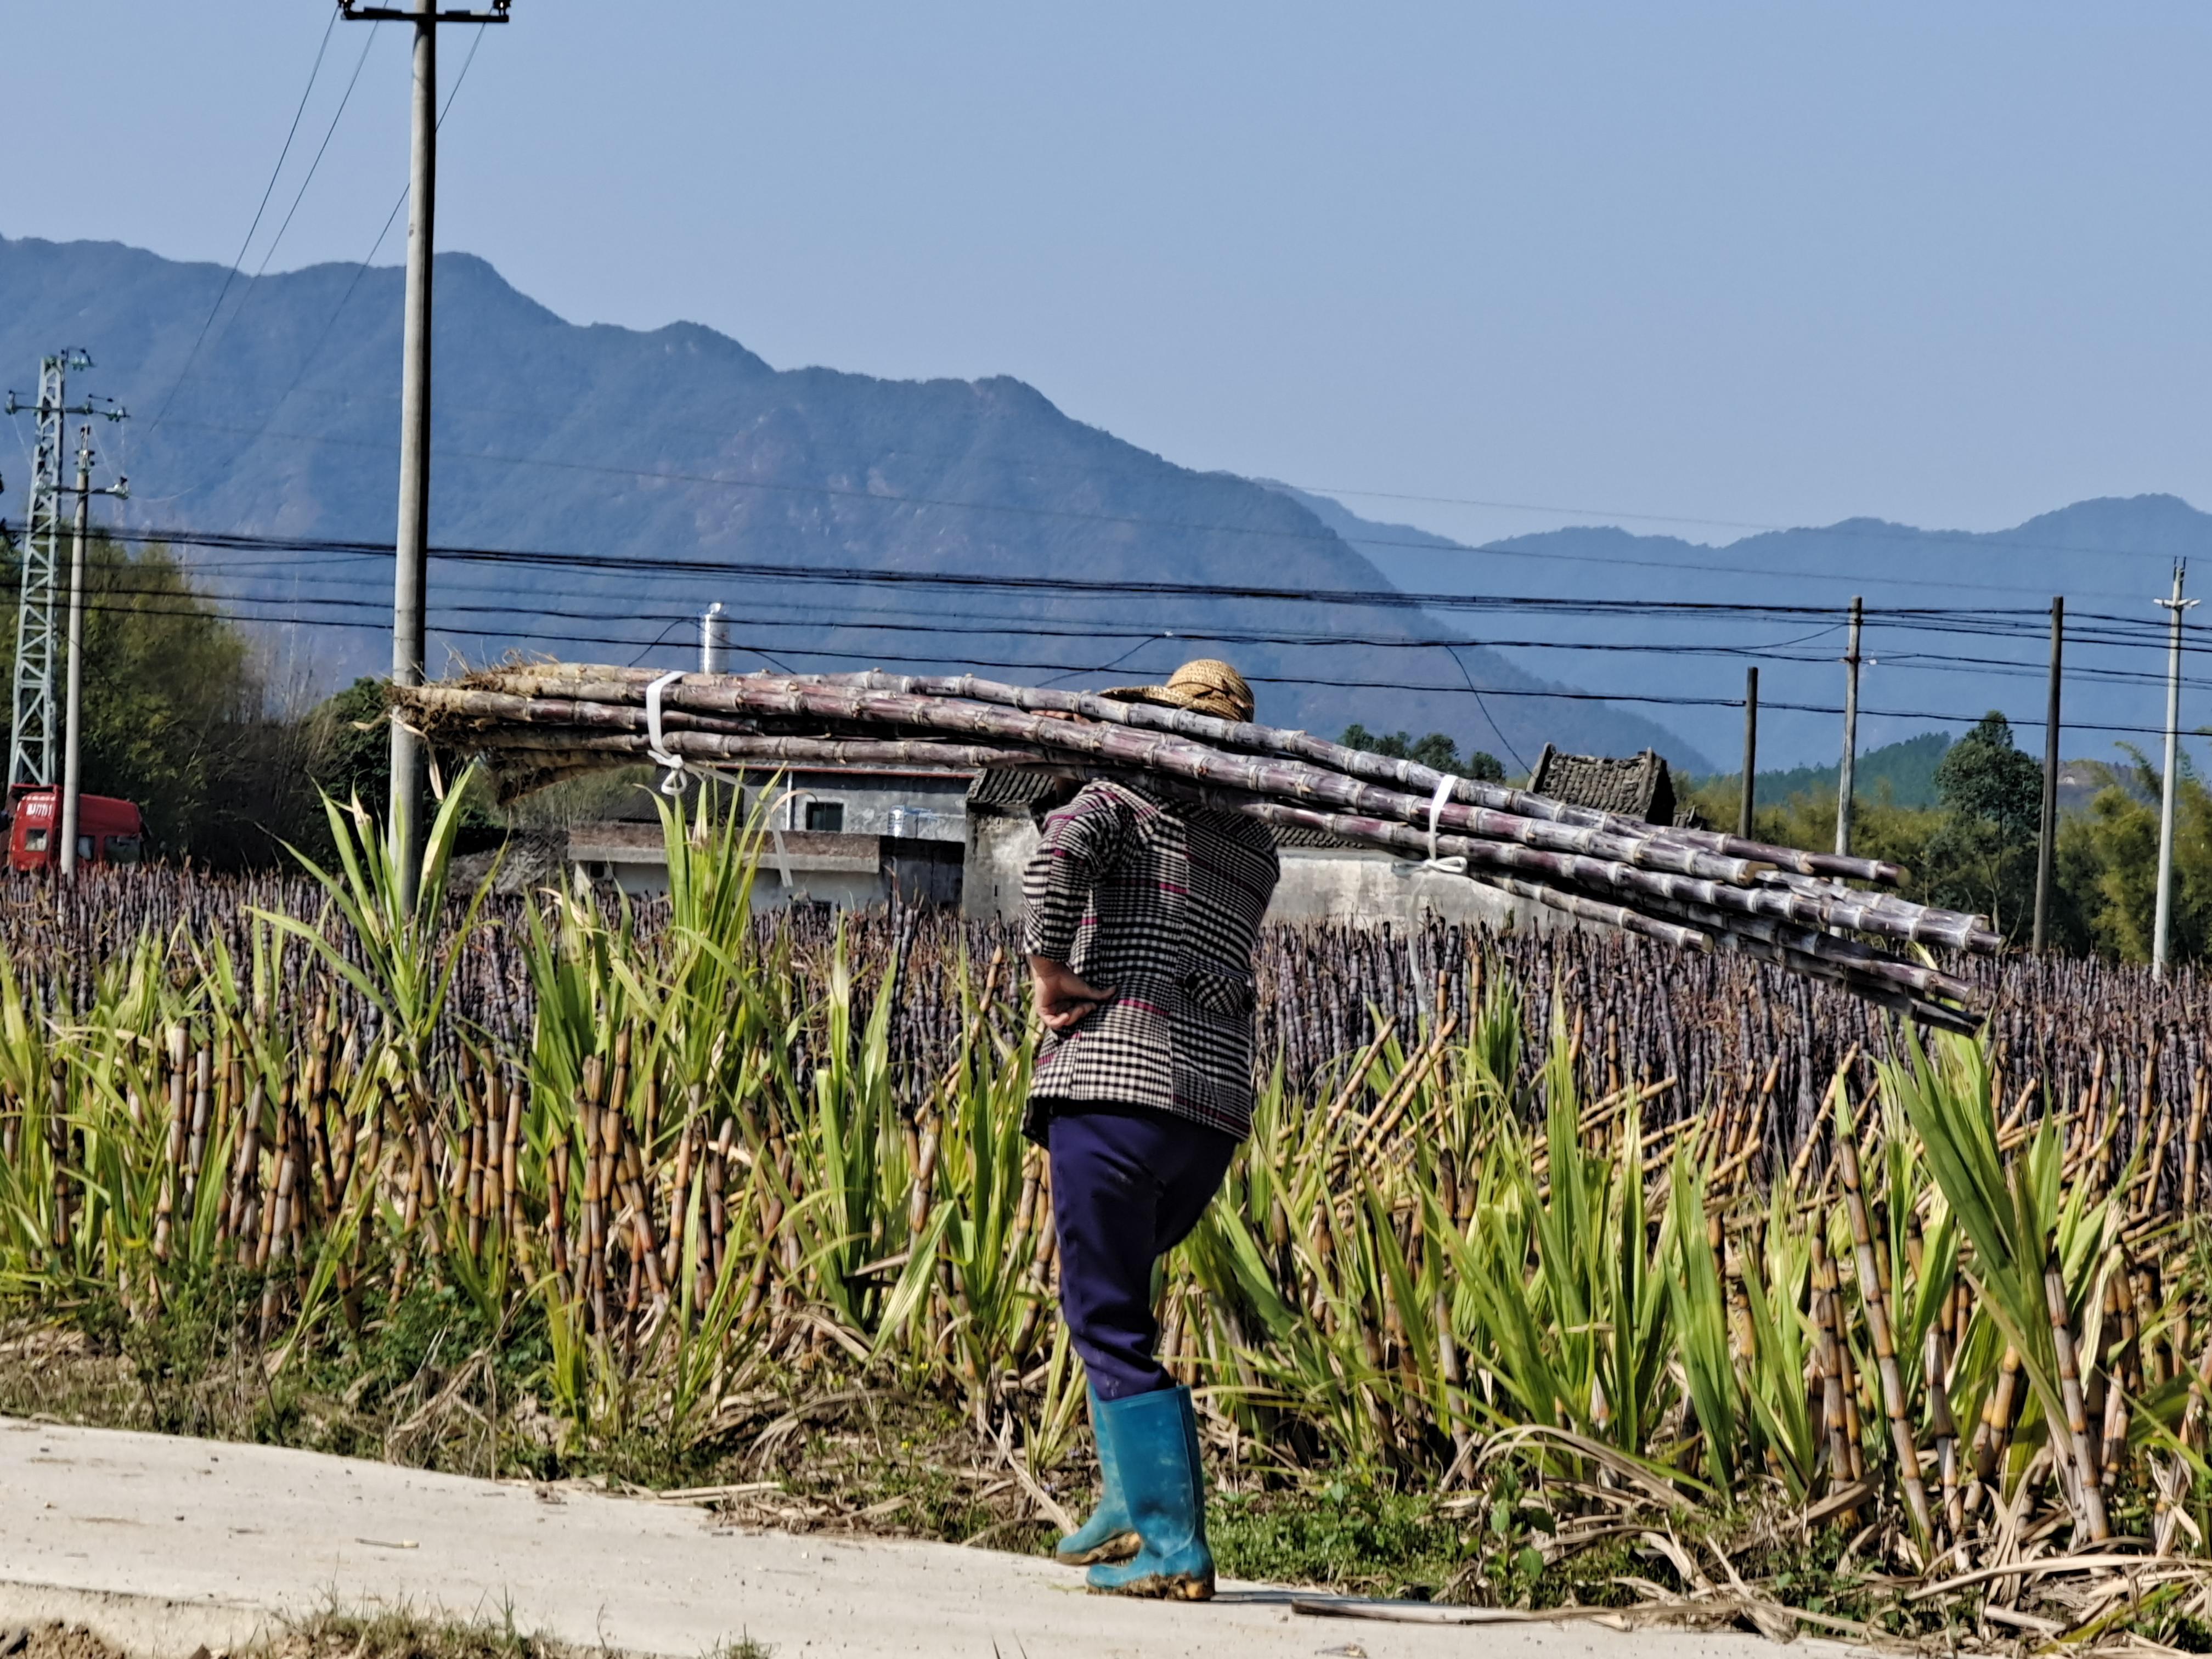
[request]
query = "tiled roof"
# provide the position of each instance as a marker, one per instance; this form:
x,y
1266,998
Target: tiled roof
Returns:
x,y
1638,787
1012,790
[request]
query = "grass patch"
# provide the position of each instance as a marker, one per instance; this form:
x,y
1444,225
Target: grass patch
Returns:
x,y
1353,1536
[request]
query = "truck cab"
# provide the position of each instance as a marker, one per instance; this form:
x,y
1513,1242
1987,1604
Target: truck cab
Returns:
x,y
108,831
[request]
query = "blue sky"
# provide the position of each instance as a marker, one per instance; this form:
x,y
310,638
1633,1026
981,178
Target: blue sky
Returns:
x,y
1719,263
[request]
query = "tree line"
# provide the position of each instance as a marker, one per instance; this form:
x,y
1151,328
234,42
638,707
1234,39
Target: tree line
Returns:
x,y
1975,848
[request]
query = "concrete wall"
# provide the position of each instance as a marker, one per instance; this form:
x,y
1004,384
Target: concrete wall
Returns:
x,y
855,870
846,872
1319,883
937,803
991,883
1328,884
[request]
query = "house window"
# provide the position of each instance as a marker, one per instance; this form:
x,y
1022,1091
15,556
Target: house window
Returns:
x,y
826,814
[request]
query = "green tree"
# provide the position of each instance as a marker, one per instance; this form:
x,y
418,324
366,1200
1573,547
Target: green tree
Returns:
x,y
1436,750
2108,864
348,739
1981,855
174,708
351,741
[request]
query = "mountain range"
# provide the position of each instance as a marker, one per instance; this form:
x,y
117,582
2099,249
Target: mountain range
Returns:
x,y
662,455
1957,622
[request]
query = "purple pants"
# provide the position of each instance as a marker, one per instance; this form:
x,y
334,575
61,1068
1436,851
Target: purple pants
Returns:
x,y
1127,1186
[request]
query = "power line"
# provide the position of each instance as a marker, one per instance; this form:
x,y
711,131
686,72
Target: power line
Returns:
x,y
1995,622
361,270
1964,540
198,608
2124,632
847,575
202,610
1033,628
315,165
269,190
1322,535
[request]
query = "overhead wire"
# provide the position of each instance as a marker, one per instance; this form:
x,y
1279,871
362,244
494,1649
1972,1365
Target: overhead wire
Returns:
x,y
1422,542
361,270
194,606
314,167
204,611
1388,598
1321,534
2018,624
268,191
2136,633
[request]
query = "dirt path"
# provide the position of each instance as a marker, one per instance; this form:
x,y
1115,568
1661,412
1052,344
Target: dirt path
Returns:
x,y
162,1545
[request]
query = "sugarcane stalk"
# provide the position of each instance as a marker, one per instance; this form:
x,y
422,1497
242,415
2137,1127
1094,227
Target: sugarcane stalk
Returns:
x,y
623,749
2192,1150
2070,1385
734,695
1582,871
1878,1328
1829,1362
1483,836
1174,756
1243,737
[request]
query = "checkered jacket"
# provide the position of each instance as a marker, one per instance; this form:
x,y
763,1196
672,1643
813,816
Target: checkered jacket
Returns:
x,y
1160,905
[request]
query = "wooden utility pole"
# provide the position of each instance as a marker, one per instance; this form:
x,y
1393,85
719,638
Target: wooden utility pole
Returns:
x,y
1845,781
2046,846
1750,752
2162,927
410,578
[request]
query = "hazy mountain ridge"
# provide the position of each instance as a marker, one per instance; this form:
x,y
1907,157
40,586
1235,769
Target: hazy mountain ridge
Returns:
x,y
2110,557
679,442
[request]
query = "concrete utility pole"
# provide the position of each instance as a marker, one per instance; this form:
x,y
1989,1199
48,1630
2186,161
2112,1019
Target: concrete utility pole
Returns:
x,y
1750,752
2046,846
1846,780
73,723
713,638
410,577
38,643
2161,928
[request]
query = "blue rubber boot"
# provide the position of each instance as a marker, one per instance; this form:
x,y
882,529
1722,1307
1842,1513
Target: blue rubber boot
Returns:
x,y
1107,1535
1155,1439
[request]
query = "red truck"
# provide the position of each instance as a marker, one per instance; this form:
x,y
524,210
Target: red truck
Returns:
x,y
108,831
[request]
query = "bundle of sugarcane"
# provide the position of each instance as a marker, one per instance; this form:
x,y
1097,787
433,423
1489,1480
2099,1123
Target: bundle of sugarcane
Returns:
x,y
1697,889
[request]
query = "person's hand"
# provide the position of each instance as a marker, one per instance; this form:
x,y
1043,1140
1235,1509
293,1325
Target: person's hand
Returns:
x,y
1063,998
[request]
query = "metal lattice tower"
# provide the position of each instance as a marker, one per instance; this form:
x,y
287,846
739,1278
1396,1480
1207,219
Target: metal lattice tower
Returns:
x,y
37,644
41,650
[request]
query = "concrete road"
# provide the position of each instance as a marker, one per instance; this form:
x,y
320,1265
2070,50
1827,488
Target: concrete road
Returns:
x,y
162,1545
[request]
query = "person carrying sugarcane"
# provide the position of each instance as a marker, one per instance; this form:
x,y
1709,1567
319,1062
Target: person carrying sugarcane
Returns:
x,y
1139,917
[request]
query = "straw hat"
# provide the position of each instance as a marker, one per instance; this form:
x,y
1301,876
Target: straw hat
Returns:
x,y
1203,685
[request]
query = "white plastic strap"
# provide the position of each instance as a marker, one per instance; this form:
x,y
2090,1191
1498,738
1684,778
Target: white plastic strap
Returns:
x,y
1455,865
656,745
